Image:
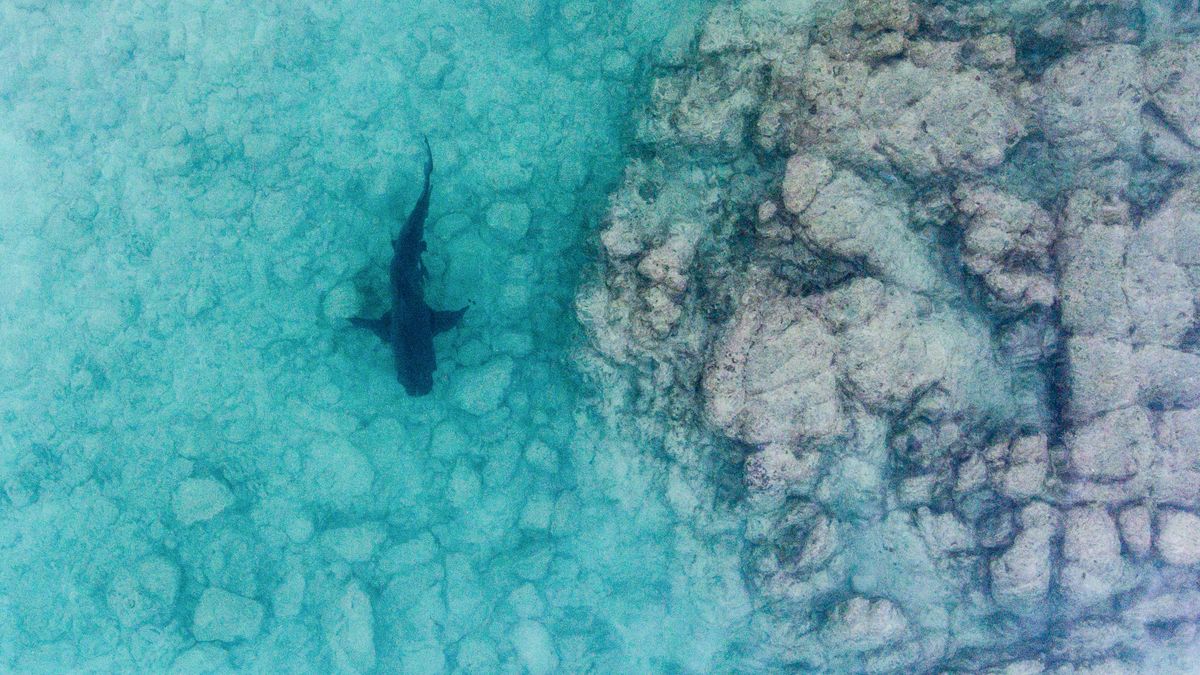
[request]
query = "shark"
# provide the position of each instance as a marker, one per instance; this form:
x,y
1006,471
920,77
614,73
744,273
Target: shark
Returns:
x,y
411,324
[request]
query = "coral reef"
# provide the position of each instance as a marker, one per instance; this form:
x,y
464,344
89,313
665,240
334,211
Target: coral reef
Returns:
x,y
929,270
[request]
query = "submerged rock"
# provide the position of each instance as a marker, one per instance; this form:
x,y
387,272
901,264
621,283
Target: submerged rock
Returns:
x,y
965,302
771,379
1178,537
226,617
1090,103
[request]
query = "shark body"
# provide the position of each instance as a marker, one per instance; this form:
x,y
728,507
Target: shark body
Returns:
x,y
410,325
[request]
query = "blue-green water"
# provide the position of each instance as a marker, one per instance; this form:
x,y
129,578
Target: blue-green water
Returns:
x,y
204,468
803,335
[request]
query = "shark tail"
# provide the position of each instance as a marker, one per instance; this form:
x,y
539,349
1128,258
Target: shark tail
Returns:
x,y
428,159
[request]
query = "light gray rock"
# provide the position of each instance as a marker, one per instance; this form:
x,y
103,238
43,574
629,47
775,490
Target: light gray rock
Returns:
x,y
337,472
810,540
1090,103
1176,225
1112,447
778,468
1021,574
1021,467
1135,528
509,220
1006,242
862,624
350,631
892,345
885,15
481,389
225,617
755,26
200,499
1178,537
771,377
1168,378
833,89
1160,296
1172,77
707,109
856,220
1094,233
1093,570
804,177
944,533
1167,146
962,124
667,264
1176,473
1100,375
1166,607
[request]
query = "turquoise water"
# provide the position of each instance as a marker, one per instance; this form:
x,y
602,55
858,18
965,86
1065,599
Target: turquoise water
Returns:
x,y
204,468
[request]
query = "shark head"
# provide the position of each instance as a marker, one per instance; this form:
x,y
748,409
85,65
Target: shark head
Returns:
x,y
417,383
419,386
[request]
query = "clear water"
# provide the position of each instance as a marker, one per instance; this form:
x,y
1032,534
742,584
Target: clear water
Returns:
x,y
204,468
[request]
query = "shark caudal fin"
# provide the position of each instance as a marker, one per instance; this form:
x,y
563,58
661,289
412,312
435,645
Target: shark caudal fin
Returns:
x,y
428,158
445,320
411,236
381,327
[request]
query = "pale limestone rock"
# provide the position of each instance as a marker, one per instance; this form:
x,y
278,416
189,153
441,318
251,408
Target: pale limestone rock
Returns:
x,y
1111,447
225,617
853,219
1160,295
944,533
1093,570
350,631
356,543
961,124
1135,529
771,377
481,389
862,624
200,499
1172,76
1007,243
991,52
509,220
708,110
1169,378
1176,474
892,345
777,468
337,472
668,263
1178,538
1022,474
534,647
1091,267
1090,103
1021,575
885,15
804,177
1101,376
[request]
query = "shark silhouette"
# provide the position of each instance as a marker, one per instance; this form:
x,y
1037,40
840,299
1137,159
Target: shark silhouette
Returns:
x,y
410,325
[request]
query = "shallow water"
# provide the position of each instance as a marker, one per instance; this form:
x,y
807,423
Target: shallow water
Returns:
x,y
204,467
838,398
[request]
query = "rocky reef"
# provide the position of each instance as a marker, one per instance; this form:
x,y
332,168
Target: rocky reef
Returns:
x,y
925,275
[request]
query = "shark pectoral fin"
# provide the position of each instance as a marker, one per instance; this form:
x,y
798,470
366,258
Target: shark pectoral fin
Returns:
x,y
380,326
445,320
